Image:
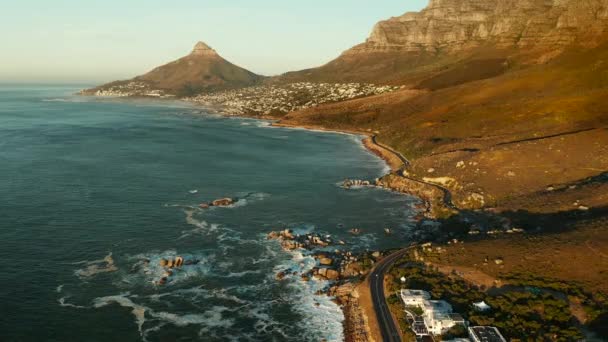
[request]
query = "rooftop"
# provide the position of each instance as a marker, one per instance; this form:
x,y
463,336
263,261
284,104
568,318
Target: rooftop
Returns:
x,y
438,305
415,293
486,334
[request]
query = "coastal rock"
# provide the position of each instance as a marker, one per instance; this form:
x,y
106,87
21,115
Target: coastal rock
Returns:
x,y
291,245
179,261
326,261
332,274
222,202
281,275
352,183
287,234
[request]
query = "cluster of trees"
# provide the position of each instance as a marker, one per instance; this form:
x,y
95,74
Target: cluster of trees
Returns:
x,y
531,310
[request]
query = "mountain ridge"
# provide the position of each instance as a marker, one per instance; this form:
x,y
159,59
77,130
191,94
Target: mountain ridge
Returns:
x,y
403,50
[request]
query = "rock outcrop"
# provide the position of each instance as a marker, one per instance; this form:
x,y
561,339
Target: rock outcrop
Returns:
x,y
456,25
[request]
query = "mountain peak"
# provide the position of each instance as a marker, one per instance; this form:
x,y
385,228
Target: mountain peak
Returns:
x,y
202,49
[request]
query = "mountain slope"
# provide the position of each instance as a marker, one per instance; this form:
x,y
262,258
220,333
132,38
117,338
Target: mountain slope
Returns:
x,y
452,33
515,124
202,70
524,132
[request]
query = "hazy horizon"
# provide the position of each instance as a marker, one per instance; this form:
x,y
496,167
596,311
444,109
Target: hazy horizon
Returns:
x,y
64,42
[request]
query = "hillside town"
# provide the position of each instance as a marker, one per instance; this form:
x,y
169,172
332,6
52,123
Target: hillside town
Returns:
x,y
127,89
281,99
261,100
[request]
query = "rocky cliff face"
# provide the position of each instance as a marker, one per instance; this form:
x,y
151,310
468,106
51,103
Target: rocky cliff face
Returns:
x,y
466,40
455,25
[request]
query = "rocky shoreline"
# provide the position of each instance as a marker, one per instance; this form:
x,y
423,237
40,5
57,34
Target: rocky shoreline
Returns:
x,y
343,270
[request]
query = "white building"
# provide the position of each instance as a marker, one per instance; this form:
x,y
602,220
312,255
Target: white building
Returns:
x,y
414,297
438,315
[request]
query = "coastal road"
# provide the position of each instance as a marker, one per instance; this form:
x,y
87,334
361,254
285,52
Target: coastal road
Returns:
x,y
447,194
388,328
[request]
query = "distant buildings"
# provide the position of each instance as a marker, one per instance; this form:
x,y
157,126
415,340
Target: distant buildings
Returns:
x,y
438,317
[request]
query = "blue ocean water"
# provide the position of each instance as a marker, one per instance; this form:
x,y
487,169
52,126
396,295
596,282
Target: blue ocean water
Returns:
x,y
93,193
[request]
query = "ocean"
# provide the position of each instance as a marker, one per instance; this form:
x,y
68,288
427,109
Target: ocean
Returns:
x,y
95,192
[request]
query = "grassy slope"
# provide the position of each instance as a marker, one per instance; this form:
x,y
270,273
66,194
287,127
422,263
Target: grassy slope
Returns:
x,y
485,117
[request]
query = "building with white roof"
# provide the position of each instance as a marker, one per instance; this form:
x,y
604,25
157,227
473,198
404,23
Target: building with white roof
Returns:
x,y
414,297
438,315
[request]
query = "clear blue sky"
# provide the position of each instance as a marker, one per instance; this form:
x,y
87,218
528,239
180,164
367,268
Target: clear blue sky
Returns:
x,y
95,41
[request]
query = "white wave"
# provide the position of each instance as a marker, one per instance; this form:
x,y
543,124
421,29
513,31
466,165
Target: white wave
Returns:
x,y
95,267
366,240
59,288
201,227
147,270
262,123
199,293
63,303
138,311
323,318
56,100
212,318
241,274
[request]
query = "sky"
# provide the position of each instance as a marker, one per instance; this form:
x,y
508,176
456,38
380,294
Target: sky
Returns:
x,y
76,41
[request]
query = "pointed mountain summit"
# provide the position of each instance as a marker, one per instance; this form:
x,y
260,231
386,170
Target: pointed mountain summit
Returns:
x,y
203,70
202,49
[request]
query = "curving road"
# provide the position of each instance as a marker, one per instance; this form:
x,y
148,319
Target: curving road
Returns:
x,y
447,194
388,328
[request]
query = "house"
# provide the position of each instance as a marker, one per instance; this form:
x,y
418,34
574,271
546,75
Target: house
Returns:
x,y
438,315
485,334
414,297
